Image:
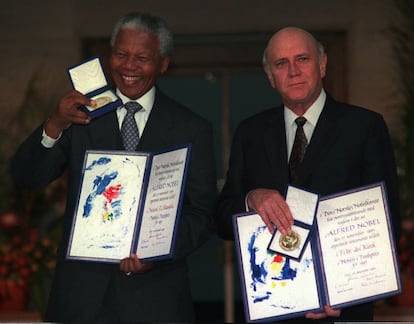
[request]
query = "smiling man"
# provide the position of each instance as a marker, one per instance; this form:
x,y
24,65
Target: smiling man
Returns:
x,y
131,291
137,59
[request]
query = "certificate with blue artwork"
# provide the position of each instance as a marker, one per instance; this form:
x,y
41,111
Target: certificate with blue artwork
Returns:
x,y
273,285
128,202
350,259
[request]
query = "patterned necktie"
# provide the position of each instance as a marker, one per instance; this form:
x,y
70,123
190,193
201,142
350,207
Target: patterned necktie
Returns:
x,y
298,149
129,128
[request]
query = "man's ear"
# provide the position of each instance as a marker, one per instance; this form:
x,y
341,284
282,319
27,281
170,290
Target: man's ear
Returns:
x,y
322,65
165,62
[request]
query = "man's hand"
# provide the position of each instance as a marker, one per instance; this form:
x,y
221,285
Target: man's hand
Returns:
x,y
328,312
272,207
133,265
68,113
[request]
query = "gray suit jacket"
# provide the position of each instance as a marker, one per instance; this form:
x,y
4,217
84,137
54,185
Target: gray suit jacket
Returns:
x,y
85,291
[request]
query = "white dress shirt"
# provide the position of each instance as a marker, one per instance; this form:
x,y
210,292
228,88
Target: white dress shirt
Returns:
x,y
311,115
141,116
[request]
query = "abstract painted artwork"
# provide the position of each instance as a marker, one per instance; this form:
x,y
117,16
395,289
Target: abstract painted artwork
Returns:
x,y
274,284
109,199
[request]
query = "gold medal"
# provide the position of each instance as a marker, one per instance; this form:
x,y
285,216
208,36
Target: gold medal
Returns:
x,y
290,241
102,101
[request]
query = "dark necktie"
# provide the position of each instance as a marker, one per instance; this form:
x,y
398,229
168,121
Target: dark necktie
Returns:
x,y
298,149
129,128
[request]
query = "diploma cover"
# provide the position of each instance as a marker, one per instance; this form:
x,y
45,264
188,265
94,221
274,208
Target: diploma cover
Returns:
x,y
350,259
128,202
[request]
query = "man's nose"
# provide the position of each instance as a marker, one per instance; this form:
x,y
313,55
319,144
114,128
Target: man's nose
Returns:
x,y
293,69
131,63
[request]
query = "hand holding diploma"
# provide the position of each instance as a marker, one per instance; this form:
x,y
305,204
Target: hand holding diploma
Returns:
x,y
329,312
133,265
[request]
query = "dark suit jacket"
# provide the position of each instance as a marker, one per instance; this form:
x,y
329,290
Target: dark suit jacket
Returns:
x,y
81,290
350,147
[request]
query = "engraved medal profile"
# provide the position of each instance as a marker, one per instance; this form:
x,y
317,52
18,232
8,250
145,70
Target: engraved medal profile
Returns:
x,y
290,241
102,101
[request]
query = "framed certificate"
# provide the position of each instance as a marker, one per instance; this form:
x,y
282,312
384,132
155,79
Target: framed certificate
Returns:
x,y
128,202
350,259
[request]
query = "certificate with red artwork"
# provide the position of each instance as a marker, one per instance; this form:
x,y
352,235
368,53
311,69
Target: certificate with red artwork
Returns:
x,y
350,259
129,202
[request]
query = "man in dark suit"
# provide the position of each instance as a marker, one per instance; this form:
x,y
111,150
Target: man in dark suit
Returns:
x,y
131,291
347,147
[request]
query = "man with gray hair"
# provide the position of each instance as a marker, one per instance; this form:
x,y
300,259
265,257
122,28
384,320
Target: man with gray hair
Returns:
x,y
131,291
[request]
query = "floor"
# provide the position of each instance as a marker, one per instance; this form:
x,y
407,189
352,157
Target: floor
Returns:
x,y
213,313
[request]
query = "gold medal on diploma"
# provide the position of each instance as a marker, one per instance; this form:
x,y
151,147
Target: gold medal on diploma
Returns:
x,y
102,101
290,241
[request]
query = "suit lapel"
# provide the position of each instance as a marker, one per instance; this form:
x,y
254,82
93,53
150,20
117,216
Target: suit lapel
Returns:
x,y
159,125
101,133
275,146
323,138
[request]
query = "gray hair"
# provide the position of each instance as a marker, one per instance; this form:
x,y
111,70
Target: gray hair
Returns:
x,y
148,23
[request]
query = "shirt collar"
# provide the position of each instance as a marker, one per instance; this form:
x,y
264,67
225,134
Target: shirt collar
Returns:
x,y
311,115
146,101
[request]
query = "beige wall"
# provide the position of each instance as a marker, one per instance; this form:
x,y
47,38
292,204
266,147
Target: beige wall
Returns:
x,y
41,38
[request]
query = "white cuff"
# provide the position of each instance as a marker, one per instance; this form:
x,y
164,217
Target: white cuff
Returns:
x,y
48,141
245,203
